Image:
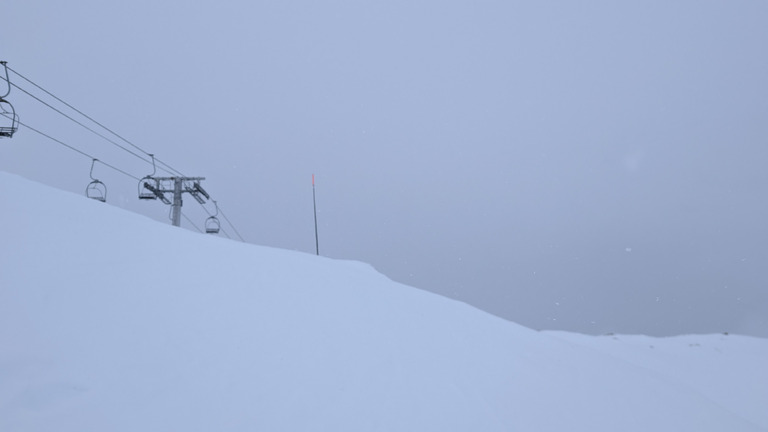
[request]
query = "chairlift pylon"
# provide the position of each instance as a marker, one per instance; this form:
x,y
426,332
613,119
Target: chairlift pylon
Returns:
x,y
96,189
212,224
7,111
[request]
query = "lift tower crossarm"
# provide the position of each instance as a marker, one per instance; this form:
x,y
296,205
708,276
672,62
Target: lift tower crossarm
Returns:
x,y
177,189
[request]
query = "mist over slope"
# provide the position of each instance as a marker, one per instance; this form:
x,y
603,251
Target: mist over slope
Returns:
x,y
112,321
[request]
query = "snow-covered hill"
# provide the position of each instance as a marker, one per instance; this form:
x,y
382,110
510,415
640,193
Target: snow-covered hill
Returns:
x,y
110,321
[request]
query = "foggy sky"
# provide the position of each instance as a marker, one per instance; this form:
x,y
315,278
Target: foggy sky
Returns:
x,y
594,167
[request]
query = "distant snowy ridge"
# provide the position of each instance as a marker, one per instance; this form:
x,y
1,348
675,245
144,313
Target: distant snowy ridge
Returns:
x,y
110,321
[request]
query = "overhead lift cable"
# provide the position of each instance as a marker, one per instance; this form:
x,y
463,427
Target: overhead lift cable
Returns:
x,y
210,215
170,169
191,223
231,224
75,149
79,123
94,160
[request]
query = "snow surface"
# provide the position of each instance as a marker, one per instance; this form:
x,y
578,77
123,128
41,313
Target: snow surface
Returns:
x,y
110,321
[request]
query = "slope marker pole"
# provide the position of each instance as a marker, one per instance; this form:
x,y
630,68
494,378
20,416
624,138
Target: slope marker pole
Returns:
x,y
314,206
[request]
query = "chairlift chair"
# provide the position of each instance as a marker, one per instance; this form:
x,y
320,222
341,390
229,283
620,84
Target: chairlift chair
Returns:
x,y
10,120
212,225
146,192
149,186
96,189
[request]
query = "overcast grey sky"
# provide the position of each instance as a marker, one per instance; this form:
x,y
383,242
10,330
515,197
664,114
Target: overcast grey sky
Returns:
x,y
592,166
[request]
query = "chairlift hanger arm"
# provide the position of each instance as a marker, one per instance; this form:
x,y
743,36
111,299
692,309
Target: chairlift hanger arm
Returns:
x,y
92,165
7,79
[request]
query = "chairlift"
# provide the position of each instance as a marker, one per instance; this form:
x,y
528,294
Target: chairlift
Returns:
x,y
11,119
212,224
96,189
10,122
149,186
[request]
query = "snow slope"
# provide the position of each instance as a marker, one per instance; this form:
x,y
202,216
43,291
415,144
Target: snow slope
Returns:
x,y
110,321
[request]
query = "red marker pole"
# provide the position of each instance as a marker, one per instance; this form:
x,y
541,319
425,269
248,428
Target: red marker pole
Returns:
x,y
314,206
